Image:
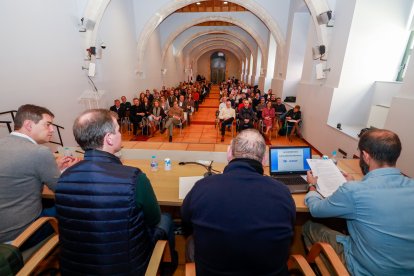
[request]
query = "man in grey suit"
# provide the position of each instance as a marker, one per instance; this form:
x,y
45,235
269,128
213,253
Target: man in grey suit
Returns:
x,y
25,166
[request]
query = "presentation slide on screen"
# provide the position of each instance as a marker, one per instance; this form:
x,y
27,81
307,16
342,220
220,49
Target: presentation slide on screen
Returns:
x,y
290,160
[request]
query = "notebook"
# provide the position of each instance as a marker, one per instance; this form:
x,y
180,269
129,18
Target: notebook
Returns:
x,y
288,164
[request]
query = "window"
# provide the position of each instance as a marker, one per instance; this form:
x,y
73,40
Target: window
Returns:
x,y
406,57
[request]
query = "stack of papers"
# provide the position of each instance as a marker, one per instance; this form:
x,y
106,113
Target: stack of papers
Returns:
x,y
329,176
185,184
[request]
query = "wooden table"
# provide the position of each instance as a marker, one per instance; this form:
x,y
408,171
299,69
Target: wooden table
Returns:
x,y
165,183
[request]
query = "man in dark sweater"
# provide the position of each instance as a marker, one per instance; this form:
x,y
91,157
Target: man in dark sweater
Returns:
x,y
242,221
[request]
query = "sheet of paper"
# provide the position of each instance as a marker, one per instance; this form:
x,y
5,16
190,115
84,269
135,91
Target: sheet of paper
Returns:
x,y
185,184
329,176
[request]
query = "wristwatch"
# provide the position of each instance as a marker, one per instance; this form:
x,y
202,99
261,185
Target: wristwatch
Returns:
x,y
312,186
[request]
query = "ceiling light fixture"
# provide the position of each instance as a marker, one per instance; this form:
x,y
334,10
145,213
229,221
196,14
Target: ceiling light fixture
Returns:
x,y
198,3
225,2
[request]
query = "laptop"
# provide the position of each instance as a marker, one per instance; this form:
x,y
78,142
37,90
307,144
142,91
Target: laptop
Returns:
x,y
288,164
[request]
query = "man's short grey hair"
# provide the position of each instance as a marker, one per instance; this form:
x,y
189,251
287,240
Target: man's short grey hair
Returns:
x,y
249,144
91,127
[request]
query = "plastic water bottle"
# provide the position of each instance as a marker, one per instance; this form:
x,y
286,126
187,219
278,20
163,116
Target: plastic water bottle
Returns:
x,y
333,157
167,164
154,164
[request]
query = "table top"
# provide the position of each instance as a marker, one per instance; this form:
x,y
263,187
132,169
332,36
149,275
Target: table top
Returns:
x,y
165,183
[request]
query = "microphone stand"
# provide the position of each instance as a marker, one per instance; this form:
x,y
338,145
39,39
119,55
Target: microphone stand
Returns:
x,y
209,168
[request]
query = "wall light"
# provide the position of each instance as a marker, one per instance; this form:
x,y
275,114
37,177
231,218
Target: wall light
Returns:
x,y
225,2
198,3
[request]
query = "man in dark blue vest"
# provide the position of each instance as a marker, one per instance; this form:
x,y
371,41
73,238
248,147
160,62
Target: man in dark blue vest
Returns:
x,y
109,217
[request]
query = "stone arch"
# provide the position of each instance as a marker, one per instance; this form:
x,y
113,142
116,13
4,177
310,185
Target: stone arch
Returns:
x,y
220,40
96,9
239,53
213,47
182,28
206,32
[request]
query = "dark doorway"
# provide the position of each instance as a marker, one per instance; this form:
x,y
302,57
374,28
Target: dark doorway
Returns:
x,y
218,67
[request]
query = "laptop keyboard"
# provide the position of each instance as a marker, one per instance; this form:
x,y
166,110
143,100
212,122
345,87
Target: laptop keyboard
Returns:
x,y
291,180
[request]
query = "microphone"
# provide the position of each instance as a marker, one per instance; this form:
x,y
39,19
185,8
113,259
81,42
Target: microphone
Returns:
x,y
209,168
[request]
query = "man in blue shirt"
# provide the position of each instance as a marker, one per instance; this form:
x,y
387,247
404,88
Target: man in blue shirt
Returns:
x,y
377,209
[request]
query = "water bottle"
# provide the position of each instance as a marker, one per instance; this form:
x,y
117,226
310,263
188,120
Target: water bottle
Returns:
x,y
154,164
333,157
167,164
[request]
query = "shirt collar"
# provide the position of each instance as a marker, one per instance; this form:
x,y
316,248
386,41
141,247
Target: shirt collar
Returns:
x,y
19,134
381,172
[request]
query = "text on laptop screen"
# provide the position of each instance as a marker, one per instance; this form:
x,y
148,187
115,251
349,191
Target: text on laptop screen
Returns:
x,y
289,159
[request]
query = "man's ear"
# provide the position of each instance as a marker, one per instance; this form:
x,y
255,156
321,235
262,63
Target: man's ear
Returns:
x,y
366,157
108,139
229,153
264,161
27,125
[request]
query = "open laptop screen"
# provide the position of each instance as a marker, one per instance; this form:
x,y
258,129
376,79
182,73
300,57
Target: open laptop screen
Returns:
x,y
289,160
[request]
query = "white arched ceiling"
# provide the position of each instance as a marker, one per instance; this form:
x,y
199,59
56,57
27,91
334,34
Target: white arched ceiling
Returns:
x,y
248,41
215,48
96,8
206,40
209,32
252,6
235,21
215,45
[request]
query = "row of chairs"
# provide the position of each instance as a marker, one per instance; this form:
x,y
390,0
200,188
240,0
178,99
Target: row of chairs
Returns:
x,y
126,124
23,263
303,265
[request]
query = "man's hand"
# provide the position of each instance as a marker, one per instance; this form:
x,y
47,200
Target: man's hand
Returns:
x,y
347,176
66,161
310,178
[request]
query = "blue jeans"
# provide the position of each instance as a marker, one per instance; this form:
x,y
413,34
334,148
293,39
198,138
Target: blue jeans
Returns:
x,y
164,230
43,232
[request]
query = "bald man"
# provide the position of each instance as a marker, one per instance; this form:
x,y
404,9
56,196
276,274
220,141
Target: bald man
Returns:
x,y
242,220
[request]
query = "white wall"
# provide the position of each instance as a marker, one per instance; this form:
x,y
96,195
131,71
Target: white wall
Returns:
x,y
374,51
116,70
296,46
42,56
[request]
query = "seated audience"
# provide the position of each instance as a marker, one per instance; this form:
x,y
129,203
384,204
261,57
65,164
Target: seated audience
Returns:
x,y
125,104
268,115
118,109
109,217
26,165
260,106
175,117
377,210
136,114
242,221
165,106
294,117
156,116
246,116
226,116
185,106
280,108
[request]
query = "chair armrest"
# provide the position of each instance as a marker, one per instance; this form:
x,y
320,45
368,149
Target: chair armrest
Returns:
x,y
190,269
40,254
299,262
33,227
330,254
157,255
